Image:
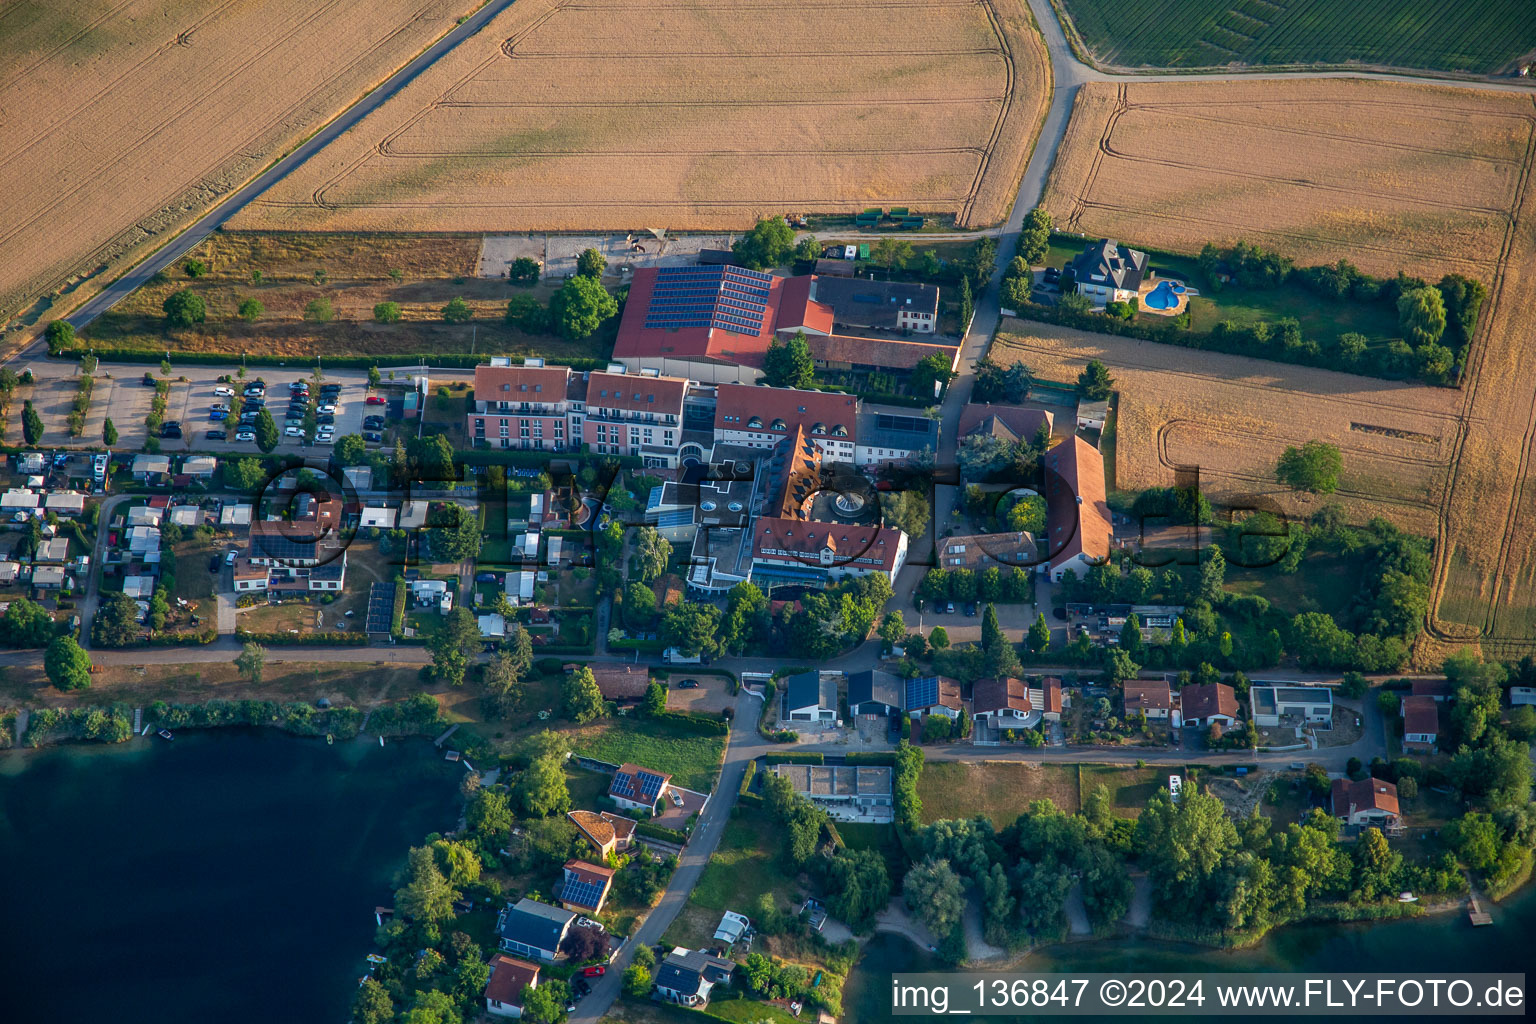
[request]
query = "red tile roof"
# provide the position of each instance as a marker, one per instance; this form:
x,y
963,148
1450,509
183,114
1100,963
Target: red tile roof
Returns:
x,y
887,353
509,976
621,682
1023,423
737,404
1363,795
597,874
1420,715
1007,694
1052,692
1147,695
1202,700
1432,688
712,343
1077,512
520,383
807,540
798,310
636,393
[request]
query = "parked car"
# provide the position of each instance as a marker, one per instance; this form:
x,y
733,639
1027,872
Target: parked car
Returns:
x,y
970,608
373,400
325,419
487,577
213,564
149,379
256,403
231,555
224,392
218,414
688,684
246,435
373,422
595,971
949,607
325,407
216,435
372,435
171,429
294,431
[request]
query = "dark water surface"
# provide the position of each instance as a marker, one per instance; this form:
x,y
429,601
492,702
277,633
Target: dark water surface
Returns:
x,y
1432,945
226,876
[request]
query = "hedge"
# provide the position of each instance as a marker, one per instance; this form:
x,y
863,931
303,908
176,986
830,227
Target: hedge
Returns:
x,y
668,835
325,639
695,721
796,757
431,360
884,757
746,779
649,646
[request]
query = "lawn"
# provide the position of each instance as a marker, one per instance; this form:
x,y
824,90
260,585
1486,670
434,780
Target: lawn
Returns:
x,y
1326,582
863,835
361,683
585,787
692,759
1002,790
745,865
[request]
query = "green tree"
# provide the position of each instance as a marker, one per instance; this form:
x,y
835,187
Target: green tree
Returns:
x,y
374,379
930,372
1035,236
1027,515
387,313
117,621
245,474
319,310
26,624
503,683
1095,383
583,700
524,270
426,897
546,1004
906,510
60,335
935,894
372,1004
655,701
768,244
789,365
1313,467
591,263
892,253
541,788
31,423
1421,313
351,450
251,310
637,981
639,603
252,662
1183,846
580,306
692,628
807,249
653,551
266,430
1039,634
457,311
454,645
184,308
67,666
892,629
938,638
860,886
489,817
108,432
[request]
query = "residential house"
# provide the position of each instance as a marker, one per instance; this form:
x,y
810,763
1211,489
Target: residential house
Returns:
x,y
533,929
413,515
1438,690
359,477
688,976
638,788
863,304
625,683
761,417
377,517
1208,704
1276,705
139,586
1004,702
1150,697
31,462
869,355
49,577
635,414
493,626
144,515
235,515
508,980
19,499
873,692
532,407
65,504
1518,695
248,577
607,832
1106,271
889,436
933,695
199,467
838,787
1421,723
977,551
585,886
1012,423
149,468
186,515
1367,801
811,697
733,928
54,550
1078,524
10,572
817,552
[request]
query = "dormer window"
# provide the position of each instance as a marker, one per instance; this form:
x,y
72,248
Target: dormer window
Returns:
x,y
780,425
756,422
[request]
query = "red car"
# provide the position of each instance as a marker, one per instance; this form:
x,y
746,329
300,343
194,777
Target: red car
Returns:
x,y
594,972
374,400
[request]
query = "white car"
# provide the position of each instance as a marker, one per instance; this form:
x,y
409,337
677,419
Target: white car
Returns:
x,y
325,439
326,407
246,435
294,431
224,392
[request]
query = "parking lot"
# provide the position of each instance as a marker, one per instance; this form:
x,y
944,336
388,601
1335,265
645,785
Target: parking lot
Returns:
x,y
191,401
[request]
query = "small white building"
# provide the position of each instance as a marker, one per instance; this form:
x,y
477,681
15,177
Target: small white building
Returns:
x,y
146,466
378,517
143,538
413,515
19,499
1274,705
65,504
199,466
138,586
493,626
144,515
49,577
186,515
235,515
1522,695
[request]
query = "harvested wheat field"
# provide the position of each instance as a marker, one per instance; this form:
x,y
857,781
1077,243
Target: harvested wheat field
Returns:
x,y
690,114
126,119
1389,176
1232,416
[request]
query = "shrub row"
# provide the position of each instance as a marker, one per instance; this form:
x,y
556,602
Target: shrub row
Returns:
x,y
669,835
325,639
885,757
463,360
796,757
694,721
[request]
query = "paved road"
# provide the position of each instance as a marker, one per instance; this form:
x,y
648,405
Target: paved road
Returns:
x,y
744,745
210,221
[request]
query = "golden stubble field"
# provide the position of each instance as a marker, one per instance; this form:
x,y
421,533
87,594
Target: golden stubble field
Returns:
x,y
1390,176
690,114
124,120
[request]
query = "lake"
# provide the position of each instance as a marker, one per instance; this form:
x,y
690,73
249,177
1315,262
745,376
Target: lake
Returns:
x,y
1440,943
228,875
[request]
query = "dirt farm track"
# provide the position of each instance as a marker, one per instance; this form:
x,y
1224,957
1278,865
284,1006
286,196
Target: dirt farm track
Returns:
x,y
125,119
690,114
1390,176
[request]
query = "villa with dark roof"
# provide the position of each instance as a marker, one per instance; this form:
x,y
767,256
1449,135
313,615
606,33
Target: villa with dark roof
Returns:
x,y
533,929
1107,271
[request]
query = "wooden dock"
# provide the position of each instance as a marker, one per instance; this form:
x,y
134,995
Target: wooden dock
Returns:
x,y
1476,914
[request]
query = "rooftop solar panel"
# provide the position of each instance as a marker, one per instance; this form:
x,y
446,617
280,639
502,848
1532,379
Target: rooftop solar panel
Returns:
x,y
582,893
922,692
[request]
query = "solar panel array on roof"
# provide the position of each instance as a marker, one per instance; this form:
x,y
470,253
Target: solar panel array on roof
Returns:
x,y
381,608
581,892
650,785
731,298
922,692
283,548
911,424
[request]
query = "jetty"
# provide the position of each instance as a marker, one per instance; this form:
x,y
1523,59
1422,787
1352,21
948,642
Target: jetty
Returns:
x,y
444,737
1476,914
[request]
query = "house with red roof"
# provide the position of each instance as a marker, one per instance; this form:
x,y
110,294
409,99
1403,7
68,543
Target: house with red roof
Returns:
x,y
584,887
1421,723
760,417
1365,801
1078,525
509,979
816,552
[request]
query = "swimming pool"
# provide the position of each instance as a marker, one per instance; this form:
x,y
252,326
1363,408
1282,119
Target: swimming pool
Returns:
x,y
1164,296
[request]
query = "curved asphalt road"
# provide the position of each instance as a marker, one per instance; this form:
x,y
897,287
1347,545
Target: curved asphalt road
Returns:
x,y
233,203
